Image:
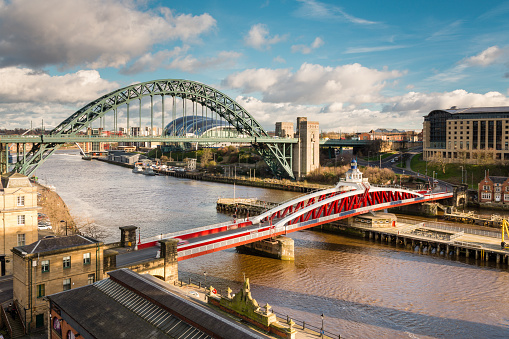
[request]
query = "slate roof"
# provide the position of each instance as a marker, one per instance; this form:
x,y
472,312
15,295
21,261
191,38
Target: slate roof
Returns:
x,y
132,306
498,180
51,244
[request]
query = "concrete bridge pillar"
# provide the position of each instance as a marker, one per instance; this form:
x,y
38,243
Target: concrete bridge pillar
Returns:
x,y
467,253
476,254
447,249
128,236
457,251
170,255
498,258
280,248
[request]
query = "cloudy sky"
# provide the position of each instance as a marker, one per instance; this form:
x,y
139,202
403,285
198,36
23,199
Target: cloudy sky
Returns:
x,y
351,65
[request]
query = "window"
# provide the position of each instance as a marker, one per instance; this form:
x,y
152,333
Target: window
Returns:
x,y
86,259
506,197
57,327
67,284
497,189
21,200
91,278
45,266
486,196
486,188
67,262
21,240
40,291
21,219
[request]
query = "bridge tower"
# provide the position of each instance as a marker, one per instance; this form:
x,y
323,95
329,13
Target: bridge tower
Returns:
x,y
306,154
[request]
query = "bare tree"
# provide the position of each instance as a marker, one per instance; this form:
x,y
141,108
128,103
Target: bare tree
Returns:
x,y
89,228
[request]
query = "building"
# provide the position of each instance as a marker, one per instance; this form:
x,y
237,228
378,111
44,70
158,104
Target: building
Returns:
x,y
465,135
306,154
494,189
130,305
50,266
284,130
18,216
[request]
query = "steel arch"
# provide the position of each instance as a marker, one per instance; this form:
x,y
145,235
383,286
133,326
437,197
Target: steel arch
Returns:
x,y
203,94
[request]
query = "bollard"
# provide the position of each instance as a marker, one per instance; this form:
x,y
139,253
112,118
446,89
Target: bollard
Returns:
x,y
189,281
180,283
199,284
303,325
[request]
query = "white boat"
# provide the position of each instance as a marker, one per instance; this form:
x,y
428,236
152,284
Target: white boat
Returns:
x,y
137,169
148,171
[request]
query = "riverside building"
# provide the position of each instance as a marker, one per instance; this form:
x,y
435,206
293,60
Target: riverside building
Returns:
x,y
466,135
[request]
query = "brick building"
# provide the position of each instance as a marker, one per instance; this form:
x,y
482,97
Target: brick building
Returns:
x,y
494,189
50,266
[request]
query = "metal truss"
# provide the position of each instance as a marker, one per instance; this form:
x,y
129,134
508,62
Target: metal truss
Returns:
x,y
216,101
334,202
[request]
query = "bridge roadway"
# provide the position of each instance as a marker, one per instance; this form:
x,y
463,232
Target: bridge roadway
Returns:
x,y
145,254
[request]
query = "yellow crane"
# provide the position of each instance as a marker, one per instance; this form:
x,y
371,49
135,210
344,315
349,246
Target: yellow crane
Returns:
x,y
505,229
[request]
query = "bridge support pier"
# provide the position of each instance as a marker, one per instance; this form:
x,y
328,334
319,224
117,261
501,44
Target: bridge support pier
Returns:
x,y
170,255
467,253
476,254
280,248
457,251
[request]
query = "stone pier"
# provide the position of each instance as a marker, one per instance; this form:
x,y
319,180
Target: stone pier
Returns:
x,y
278,248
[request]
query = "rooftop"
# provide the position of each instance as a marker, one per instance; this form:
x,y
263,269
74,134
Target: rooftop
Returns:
x,y
129,303
52,244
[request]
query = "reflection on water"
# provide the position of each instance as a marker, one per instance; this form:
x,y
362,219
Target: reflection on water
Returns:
x,y
364,289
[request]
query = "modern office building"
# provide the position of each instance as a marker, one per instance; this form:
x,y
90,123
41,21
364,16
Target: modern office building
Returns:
x,y
465,135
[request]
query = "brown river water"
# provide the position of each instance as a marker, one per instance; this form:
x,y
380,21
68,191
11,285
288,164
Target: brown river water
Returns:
x,y
364,289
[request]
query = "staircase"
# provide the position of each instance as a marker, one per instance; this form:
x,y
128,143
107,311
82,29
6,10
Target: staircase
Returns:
x,y
14,325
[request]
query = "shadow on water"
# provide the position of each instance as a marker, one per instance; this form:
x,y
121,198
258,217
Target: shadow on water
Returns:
x,y
365,247
364,313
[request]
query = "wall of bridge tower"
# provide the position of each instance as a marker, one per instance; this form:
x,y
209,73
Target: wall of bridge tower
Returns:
x,y
306,154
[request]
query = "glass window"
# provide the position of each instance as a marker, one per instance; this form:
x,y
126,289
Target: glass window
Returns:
x,y
40,291
21,200
67,284
86,258
45,266
91,278
21,240
67,262
70,335
21,219
57,327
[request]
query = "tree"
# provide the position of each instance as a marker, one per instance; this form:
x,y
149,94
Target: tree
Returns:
x,y
439,160
89,228
206,157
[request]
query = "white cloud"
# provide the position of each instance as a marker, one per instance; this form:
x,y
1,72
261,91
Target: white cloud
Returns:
x,y
426,102
258,38
314,84
179,59
305,49
352,50
96,33
279,60
319,10
487,57
27,85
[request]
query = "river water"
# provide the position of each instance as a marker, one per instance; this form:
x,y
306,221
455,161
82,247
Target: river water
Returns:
x,y
364,290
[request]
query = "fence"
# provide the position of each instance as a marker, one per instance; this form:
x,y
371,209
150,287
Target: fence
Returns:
x,y
447,227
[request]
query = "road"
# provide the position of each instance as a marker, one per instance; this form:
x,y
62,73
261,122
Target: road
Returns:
x,y
5,288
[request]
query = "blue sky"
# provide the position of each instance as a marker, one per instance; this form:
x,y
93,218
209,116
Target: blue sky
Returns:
x,y
351,65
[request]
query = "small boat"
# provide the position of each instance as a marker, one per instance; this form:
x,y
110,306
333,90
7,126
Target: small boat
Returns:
x,y
148,171
138,169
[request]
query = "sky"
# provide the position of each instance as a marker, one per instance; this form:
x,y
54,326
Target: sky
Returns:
x,y
352,66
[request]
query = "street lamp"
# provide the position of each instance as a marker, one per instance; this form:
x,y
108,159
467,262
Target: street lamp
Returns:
x,y
205,274
321,331
368,157
461,174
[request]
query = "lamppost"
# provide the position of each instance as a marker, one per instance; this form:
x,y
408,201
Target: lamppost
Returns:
x,y
368,157
380,160
461,174
205,274
321,331
433,179
62,221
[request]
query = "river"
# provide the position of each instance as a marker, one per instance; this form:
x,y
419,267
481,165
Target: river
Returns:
x,y
364,290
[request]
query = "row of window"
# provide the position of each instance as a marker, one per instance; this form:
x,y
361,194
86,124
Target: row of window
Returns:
x,y
66,285
497,188
66,262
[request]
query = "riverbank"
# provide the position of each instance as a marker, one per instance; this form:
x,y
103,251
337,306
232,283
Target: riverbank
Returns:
x,y
284,184
55,208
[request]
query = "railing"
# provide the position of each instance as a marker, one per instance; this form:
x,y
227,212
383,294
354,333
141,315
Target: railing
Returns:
x,y
444,226
6,320
304,325
23,320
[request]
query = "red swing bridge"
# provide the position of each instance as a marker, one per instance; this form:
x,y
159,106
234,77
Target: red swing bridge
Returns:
x,y
353,195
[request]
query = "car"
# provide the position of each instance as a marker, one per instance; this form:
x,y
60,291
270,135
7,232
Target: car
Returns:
x,y
194,294
49,237
44,227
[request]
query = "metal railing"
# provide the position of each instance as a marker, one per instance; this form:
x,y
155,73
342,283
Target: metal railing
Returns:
x,y
444,226
285,318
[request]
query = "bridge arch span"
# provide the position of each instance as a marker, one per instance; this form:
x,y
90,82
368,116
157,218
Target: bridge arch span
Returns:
x,y
199,93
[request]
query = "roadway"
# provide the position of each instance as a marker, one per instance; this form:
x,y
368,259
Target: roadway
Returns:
x,y
5,288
